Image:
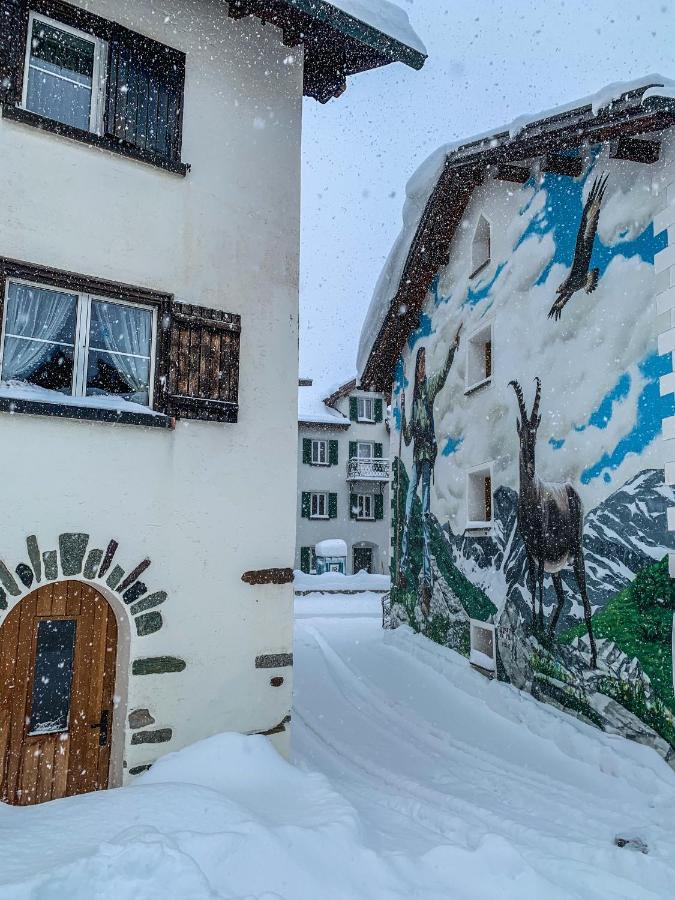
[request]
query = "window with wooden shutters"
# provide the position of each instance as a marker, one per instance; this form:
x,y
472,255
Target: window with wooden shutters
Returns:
x,y
145,94
199,377
69,71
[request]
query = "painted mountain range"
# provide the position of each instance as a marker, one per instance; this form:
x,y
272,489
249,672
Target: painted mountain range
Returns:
x,y
622,535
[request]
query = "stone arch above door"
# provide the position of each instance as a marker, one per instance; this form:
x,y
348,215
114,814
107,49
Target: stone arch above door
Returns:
x,y
73,558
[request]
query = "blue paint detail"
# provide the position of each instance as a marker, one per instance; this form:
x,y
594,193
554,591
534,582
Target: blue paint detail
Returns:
x,y
400,381
396,413
601,416
652,408
556,443
424,329
452,445
474,296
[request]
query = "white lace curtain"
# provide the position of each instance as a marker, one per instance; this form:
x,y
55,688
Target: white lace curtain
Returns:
x,y
124,331
35,313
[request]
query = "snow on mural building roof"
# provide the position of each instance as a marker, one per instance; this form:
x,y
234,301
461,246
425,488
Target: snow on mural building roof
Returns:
x,y
312,409
340,38
440,189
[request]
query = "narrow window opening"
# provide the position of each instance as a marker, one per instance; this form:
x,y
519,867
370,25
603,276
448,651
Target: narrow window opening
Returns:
x,y
480,248
479,498
53,675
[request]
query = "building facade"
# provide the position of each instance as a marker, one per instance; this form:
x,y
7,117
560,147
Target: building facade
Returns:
x,y
149,244
531,379
343,477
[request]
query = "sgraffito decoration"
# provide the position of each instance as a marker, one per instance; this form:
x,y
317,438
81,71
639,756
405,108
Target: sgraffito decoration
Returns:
x,y
571,567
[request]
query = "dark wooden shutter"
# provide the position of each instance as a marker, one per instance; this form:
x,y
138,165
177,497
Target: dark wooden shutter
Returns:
x,y
307,451
13,37
378,410
379,507
305,560
488,498
377,451
144,103
353,506
333,453
353,409
332,506
198,363
306,506
488,359
352,450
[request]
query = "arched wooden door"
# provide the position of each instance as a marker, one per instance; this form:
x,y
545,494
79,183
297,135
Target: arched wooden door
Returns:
x,y
58,650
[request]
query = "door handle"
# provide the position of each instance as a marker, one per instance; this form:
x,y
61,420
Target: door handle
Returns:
x,y
103,727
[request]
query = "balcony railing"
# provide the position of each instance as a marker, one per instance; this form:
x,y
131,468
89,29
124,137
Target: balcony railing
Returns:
x,y
368,470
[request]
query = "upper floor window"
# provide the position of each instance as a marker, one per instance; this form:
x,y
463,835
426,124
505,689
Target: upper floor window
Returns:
x,y
364,506
479,497
63,74
480,248
365,409
365,450
320,453
319,508
77,344
93,80
479,353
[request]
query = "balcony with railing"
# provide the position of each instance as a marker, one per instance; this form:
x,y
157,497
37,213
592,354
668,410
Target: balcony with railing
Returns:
x,y
367,469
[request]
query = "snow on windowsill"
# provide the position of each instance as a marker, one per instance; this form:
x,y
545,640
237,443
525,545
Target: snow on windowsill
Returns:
x,y
17,390
482,660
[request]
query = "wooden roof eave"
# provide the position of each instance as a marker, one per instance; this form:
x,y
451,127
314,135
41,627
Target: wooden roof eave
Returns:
x,y
467,167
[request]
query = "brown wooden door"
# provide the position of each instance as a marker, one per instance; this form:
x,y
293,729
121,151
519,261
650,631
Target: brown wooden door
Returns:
x,y
58,650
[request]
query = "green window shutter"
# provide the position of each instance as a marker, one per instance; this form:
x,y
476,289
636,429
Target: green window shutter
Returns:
x,y
379,507
353,502
306,504
307,451
333,453
377,450
332,506
353,409
305,560
352,449
378,410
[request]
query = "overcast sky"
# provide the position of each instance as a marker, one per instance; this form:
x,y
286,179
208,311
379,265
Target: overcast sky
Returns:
x,y
489,61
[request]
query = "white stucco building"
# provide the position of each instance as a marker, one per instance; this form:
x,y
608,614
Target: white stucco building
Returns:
x,y
343,476
149,244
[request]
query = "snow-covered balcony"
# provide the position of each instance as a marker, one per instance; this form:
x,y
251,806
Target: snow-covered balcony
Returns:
x,y
367,469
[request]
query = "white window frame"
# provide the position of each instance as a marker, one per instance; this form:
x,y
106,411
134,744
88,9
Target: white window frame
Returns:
x,y
361,404
362,502
99,72
318,495
477,657
478,264
371,447
318,444
472,475
78,388
475,357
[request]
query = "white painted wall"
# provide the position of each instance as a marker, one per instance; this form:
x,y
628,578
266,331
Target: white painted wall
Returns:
x,y
333,479
207,501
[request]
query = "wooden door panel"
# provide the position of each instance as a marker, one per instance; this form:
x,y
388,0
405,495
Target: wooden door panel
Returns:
x,y
35,767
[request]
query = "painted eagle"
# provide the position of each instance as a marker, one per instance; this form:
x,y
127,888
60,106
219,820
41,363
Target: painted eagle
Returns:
x,y
580,277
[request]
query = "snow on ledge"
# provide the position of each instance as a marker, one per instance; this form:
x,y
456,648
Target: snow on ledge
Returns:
x,y
334,547
19,390
424,180
336,582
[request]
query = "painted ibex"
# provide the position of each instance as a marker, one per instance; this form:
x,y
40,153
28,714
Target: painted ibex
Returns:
x,y
550,522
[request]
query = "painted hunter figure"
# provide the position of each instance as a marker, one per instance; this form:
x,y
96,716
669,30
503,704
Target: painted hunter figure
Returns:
x,y
421,432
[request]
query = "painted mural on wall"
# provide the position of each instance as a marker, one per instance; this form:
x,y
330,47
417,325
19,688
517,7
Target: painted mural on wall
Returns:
x,y
573,569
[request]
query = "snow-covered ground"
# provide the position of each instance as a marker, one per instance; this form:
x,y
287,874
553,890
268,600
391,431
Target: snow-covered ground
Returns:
x,y
414,777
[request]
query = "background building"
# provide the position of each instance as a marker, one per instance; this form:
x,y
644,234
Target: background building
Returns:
x,y
343,476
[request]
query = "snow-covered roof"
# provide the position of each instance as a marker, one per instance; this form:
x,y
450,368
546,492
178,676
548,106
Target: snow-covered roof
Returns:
x,y
313,411
384,16
514,141
334,547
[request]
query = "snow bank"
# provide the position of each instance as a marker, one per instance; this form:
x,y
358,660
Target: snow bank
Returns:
x,y
421,186
336,581
339,606
384,16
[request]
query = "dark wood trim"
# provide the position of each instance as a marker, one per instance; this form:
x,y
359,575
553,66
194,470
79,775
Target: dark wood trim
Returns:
x,y
73,16
201,408
325,426
268,576
560,164
636,150
516,174
85,413
25,117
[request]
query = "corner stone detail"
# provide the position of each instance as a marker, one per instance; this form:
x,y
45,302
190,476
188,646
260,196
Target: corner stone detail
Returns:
x,y
140,718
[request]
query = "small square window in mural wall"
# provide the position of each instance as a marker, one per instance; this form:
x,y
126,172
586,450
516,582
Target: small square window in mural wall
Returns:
x,y
572,569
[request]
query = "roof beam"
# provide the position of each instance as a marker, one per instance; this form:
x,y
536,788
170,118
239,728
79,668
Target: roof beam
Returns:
x,y
635,150
560,164
508,172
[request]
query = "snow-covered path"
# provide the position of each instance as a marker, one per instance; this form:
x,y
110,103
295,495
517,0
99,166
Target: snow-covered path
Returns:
x,y
471,785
